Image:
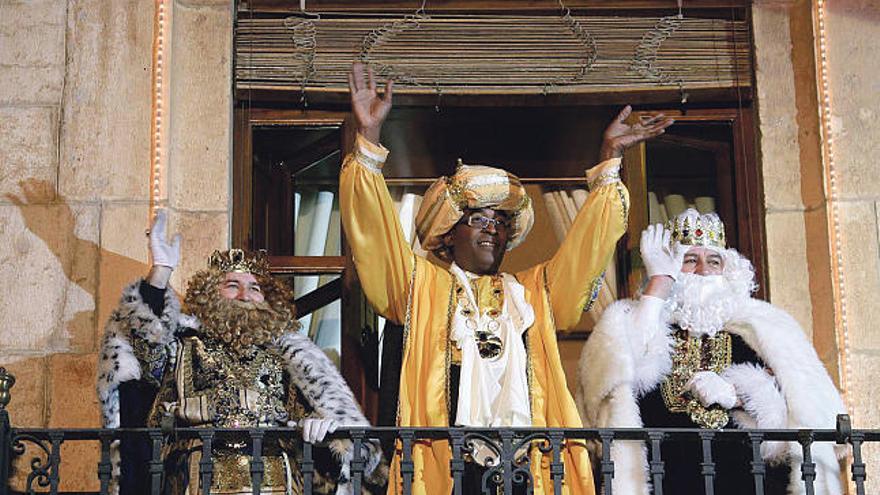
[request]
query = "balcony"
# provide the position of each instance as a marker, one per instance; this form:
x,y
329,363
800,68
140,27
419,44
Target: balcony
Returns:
x,y
508,470
39,449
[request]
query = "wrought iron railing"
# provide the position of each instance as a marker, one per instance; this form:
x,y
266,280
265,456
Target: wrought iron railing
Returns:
x,y
507,469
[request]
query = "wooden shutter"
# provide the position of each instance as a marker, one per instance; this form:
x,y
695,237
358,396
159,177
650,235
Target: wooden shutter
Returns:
x,y
495,54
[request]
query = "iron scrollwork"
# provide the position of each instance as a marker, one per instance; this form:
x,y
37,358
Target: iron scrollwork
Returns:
x,y
41,470
508,461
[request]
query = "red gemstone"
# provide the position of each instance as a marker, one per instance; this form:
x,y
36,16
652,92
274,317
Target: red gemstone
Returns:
x,y
699,232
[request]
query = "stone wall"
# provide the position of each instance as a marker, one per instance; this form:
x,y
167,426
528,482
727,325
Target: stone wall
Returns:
x,y
75,108
796,199
853,30
798,241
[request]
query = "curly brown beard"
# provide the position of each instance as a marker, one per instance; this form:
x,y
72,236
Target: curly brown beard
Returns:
x,y
240,324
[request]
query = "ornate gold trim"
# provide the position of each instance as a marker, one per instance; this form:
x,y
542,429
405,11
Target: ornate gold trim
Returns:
x,y
604,179
691,354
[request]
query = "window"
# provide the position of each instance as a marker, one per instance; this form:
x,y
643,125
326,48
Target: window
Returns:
x,y
291,133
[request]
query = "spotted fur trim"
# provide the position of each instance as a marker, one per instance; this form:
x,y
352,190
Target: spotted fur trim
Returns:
x,y
133,325
326,391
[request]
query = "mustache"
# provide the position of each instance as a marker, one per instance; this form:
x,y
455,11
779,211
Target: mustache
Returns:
x,y
247,314
699,305
249,305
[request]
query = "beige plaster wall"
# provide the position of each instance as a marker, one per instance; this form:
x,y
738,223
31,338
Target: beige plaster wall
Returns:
x,y
75,107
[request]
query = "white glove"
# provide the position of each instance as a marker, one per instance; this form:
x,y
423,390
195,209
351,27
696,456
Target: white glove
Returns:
x,y
315,429
658,255
710,388
163,254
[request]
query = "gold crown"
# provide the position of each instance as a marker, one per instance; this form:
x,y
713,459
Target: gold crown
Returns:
x,y
238,260
693,229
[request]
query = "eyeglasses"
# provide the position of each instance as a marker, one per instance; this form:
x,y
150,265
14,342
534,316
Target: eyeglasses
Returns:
x,y
482,222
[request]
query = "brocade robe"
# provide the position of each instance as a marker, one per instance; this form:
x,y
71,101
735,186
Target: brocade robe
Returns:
x,y
411,290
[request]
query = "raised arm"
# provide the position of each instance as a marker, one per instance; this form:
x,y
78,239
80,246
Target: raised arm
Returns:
x,y
382,257
137,337
575,271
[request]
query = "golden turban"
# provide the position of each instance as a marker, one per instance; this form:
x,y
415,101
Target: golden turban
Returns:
x,y
473,187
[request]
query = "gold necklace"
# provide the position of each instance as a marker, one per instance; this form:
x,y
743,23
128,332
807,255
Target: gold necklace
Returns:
x,y
489,344
691,354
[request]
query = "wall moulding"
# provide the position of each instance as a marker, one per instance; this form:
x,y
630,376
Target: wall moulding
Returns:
x,y
835,234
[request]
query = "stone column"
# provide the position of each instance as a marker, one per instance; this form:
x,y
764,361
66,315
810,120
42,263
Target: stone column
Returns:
x,y
200,153
798,242
853,28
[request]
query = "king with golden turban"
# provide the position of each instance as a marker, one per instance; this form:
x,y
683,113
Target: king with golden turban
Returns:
x,y
479,346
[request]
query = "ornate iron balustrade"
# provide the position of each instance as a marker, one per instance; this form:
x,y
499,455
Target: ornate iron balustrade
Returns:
x,y
508,470
509,467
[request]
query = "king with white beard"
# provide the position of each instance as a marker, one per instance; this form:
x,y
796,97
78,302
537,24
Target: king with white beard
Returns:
x,y
696,350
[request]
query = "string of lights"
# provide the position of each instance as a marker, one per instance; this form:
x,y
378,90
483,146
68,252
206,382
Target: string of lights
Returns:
x,y
159,108
833,212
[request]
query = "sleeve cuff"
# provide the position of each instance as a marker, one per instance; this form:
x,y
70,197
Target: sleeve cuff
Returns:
x,y
370,155
651,305
607,172
649,309
761,398
647,318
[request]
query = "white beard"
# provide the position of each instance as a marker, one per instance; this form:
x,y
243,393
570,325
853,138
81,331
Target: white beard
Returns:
x,y
701,304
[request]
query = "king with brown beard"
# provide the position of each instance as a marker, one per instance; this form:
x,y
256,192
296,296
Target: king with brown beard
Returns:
x,y
232,358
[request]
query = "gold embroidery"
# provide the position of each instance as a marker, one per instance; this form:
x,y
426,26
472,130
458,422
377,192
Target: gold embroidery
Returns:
x,y
232,474
690,355
604,179
368,162
488,292
407,324
624,203
234,391
240,392
595,288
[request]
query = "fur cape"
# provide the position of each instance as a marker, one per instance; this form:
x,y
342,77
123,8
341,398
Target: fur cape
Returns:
x,y
317,379
614,371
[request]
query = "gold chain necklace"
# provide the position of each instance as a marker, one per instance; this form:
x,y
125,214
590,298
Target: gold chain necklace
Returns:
x,y
691,354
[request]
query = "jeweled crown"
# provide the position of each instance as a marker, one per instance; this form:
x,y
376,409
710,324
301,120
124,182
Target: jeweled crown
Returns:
x,y
241,261
694,229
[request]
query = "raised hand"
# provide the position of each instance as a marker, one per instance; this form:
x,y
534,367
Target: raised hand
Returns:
x,y
163,253
165,256
619,135
369,109
658,254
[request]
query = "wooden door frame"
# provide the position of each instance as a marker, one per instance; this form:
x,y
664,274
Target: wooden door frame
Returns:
x,y
352,307
747,182
244,122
